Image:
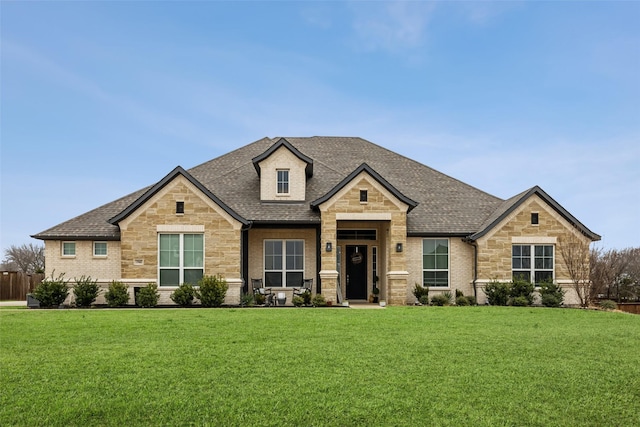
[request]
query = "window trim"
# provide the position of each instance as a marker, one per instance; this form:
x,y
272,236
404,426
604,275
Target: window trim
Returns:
x,y
448,269
62,249
106,250
181,268
535,218
532,270
285,183
283,270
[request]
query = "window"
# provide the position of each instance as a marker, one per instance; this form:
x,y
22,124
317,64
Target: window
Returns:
x,y
364,196
535,218
68,248
283,181
181,258
542,267
179,207
357,235
99,248
435,263
283,263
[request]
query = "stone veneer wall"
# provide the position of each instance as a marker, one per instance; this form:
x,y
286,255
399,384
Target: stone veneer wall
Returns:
x,y
222,237
494,249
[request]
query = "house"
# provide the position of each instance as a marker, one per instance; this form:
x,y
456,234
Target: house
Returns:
x,y
347,213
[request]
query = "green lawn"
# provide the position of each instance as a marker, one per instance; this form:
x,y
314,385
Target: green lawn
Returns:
x,y
402,366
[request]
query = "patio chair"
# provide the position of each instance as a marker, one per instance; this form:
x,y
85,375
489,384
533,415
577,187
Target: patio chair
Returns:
x,y
307,284
258,288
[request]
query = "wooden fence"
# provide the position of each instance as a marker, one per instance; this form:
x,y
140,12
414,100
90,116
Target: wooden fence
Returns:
x,y
15,285
630,307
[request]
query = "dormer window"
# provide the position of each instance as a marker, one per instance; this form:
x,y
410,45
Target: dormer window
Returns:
x,y
283,181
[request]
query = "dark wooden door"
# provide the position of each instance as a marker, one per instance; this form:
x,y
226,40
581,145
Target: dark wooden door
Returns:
x,y
356,269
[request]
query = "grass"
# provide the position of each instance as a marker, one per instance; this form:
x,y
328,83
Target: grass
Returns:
x,y
402,366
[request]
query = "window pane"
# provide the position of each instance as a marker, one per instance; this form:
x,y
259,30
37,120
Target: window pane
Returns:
x,y
522,275
193,250
273,280
542,276
192,276
516,251
436,278
100,248
442,247
273,255
526,251
428,246
69,248
169,277
169,250
442,262
294,279
428,262
295,257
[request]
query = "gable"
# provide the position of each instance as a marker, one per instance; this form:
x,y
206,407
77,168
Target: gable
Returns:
x,y
381,195
282,160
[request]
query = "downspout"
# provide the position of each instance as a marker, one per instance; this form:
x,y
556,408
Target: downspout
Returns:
x,y
475,266
244,257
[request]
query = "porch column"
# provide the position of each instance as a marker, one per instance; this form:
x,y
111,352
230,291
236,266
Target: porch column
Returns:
x,y
328,268
397,287
397,274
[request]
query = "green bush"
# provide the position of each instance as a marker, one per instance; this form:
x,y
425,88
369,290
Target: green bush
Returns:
x,y
306,296
259,298
212,291
85,291
471,299
520,301
459,293
497,292
52,291
521,288
246,300
551,294
117,294
318,301
462,300
420,291
608,305
298,301
441,300
184,295
148,296
424,300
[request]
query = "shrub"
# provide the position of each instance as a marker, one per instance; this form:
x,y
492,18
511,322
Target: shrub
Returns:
x,y
148,296
246,300
497,292
521,288
608,305
184,295
260,299
212,291
471,299
298,301
459,293
551,294
85,291
420,291
462,300
424,300
520,301
441,300
318,301
306,296
52,292
117,294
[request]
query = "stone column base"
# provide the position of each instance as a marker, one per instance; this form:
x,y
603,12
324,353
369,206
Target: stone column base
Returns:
x,y
397,287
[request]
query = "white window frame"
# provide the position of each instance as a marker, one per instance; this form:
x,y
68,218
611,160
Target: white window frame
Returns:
x,y
106,250
283,267
68,255
283,182
532,261
181,267
436,269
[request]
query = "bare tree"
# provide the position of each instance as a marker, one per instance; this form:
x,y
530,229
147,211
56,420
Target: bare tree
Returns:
x,y
615,274
29,258
575,254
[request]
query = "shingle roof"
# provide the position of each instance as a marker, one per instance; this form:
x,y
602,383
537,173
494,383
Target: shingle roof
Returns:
x,y
445,206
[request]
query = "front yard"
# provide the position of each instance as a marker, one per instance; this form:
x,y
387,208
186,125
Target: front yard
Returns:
x,y
401,366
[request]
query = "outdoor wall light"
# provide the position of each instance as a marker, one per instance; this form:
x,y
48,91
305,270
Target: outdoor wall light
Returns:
x,y
329,247
398,247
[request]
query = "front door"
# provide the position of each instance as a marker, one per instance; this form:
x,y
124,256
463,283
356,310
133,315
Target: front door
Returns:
x,y
356,269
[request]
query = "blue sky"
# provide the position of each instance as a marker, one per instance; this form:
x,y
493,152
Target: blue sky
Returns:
x,y
99,99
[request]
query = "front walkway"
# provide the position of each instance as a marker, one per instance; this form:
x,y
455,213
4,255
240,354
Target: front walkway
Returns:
x,y
13,303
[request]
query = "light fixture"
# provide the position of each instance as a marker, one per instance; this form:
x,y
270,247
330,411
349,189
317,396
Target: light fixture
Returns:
x,y
328,247
398,247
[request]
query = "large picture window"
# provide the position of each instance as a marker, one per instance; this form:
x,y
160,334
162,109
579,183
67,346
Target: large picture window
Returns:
x,y
181,259
540,270
283,263
435,263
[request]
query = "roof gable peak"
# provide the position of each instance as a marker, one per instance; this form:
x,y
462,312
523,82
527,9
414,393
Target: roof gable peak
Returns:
x,y
282,142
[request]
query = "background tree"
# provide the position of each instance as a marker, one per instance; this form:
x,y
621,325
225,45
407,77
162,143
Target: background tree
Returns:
x,y
575,253
28,258
615,274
